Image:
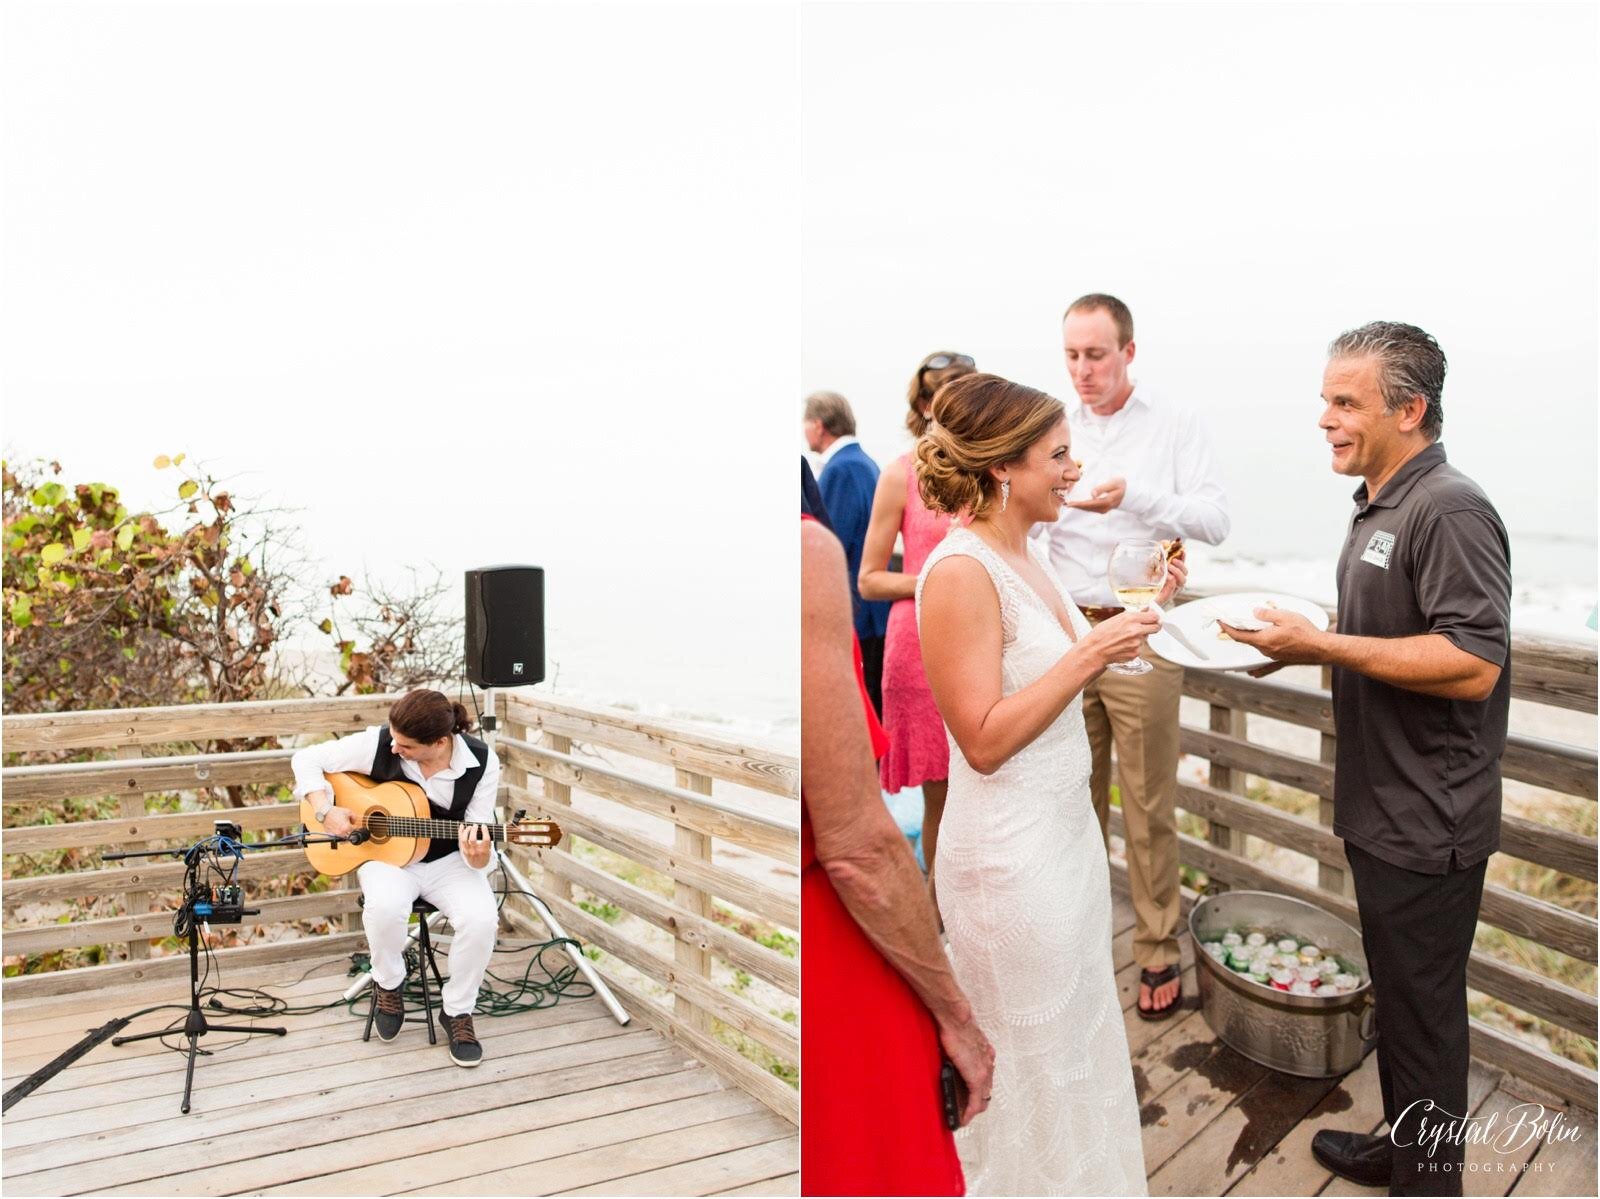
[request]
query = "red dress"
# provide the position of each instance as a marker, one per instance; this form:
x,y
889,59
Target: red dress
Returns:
x,y
918,750
870,1109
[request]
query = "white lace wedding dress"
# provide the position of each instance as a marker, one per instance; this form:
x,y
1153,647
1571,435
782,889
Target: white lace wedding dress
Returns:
x,y
1025,893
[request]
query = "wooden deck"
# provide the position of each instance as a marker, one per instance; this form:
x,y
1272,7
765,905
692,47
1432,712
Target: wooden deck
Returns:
x,y
566,1101
1216,1123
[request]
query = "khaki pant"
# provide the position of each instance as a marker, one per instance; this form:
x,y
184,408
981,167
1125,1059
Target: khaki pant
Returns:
x,y
1139,713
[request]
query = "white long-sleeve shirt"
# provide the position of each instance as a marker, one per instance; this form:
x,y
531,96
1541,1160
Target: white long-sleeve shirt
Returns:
x,y
357,751
1164,452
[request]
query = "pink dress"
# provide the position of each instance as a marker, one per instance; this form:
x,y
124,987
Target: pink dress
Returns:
x,y
918,750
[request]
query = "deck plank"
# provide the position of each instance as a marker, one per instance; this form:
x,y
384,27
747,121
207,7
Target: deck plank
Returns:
x,y
731,1172
115,1081
219,1096
1481,1083
1355,1104
1495,1166
1564,1166
299,1149
646,1151
788,1184
435,1172
1239,1135
322,1112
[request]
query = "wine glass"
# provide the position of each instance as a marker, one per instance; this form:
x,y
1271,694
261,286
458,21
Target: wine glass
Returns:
x,y
1137,572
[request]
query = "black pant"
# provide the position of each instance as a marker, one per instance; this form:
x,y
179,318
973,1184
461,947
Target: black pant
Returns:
x,y
872,668
1417,932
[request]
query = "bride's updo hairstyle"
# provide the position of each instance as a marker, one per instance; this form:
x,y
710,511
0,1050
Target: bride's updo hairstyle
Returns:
x,y
979,422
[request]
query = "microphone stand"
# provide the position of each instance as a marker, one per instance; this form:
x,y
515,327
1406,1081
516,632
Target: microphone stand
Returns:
x,y
196,1025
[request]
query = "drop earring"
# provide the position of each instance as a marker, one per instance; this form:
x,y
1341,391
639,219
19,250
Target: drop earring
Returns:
x,y
1005,493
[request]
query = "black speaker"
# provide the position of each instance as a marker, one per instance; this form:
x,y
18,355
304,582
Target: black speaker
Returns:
x,y
505,625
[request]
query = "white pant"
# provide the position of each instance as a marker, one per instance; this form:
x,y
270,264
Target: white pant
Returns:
x,y
456,889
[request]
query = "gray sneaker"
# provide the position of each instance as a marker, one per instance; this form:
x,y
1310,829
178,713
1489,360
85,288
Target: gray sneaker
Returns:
x,y
391,1013
464,1047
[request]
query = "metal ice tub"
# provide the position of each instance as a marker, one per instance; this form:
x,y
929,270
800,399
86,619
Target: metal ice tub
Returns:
x,y
1312,1036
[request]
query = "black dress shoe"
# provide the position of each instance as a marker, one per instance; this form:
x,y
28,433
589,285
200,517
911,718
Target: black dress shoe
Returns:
x,y
1355,1156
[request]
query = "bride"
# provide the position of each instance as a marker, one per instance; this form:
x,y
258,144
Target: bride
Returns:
x,y
1024,887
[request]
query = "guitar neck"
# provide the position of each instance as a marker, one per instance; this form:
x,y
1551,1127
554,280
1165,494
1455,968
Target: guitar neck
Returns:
x,y
411,826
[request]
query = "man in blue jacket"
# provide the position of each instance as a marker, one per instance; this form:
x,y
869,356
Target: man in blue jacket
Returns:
x,y
847,481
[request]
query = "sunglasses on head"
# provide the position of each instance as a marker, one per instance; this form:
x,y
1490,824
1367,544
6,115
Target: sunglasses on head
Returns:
x,y
939,361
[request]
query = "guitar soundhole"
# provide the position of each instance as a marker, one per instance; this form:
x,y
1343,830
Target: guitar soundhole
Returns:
x,y
378,825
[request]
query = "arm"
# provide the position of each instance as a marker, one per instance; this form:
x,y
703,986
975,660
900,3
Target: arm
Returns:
x,y
1429,663
961,652
1462,572
858,845
876,580
354,752
480,810
1196,508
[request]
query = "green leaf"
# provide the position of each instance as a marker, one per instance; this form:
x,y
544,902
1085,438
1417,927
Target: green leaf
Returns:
x,y
188,488
245,568
129,652
326,626
53,552
48,495
81,538
178,461
125,537
22,612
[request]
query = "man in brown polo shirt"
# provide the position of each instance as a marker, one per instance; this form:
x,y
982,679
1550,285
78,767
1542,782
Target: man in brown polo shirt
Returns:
x,y
1421,692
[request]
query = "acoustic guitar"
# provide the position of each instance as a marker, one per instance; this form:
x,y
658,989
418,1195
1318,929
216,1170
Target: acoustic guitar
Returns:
x,y
400,825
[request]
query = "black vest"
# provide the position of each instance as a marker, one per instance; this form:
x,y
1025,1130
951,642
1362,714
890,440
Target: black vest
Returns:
x,y
386,769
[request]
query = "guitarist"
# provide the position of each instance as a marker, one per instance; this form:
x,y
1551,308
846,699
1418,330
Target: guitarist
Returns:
x,y
425,742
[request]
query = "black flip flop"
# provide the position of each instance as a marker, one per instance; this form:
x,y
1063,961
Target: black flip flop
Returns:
x,y
1160,978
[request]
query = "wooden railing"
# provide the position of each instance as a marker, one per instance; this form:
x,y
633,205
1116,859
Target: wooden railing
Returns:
x,y
1544,671
651,850
552,766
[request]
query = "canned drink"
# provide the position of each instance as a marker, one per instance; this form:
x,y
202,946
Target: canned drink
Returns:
x,y
1288,945
1307,974
1232,939
1282,979
1240,965
1346,982
1261,976
1309,954
1256,940
1301,988
1216,950
1327,967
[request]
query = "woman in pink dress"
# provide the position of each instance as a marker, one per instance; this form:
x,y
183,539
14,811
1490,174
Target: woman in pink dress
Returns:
x,y
919,754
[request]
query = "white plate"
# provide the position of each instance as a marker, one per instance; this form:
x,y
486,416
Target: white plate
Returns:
x,y
1196,620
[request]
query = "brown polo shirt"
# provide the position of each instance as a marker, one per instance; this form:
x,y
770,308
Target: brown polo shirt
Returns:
x,y
1417,778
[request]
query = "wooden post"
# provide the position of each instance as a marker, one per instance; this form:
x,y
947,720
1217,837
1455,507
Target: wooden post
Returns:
x,y
1232,722
560,796
692,959
1330,878
135,903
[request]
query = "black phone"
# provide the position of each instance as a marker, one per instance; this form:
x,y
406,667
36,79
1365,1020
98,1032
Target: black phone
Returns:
x,y
953,1091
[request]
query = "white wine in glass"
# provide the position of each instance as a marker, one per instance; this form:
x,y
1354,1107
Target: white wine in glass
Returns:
x,y
1137,572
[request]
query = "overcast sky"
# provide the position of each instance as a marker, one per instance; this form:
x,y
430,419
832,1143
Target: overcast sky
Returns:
x,y
1252,179
466,284
523,283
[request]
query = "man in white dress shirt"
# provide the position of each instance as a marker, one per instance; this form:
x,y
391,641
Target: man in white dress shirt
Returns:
x,y
1150,474
425,742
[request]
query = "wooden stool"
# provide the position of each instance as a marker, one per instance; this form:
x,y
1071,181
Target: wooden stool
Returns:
x,y
425,963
